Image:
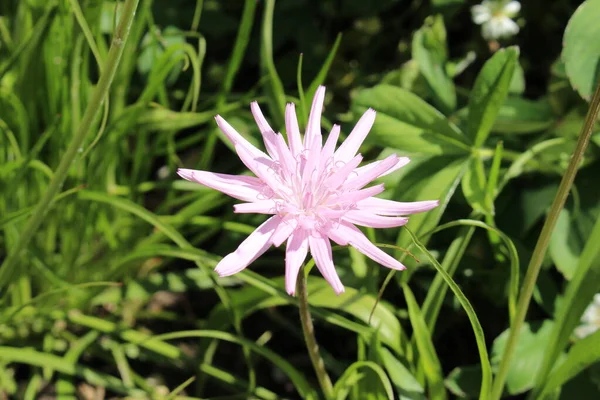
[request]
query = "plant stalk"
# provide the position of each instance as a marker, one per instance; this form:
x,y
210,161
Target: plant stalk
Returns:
x,y
309,337
8,267
542,244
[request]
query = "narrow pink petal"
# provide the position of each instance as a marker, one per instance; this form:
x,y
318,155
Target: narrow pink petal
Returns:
x,y
350,234
320,248
269,136
284,230
246,188
312,135
313,157
295,254
402,161
339,176
364,218
263,168
329,147
286,159
249,250
350,146
357,195
292,129
356,182
389,207
256,207
237,139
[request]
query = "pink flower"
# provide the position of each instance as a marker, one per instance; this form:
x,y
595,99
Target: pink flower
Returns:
x,y
314,192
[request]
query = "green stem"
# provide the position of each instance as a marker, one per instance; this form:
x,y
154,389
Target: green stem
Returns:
x,y
8,268
542,244
309,337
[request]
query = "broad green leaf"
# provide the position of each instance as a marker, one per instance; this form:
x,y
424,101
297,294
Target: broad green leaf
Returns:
x,y
427,355
430,51
581,51
579,293
474,186
583,354
401,377
465,382
409,124
489,93
517,84
433,179
349,379
519,116
532,344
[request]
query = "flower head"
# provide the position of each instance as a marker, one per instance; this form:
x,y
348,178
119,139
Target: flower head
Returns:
x,y
590,320
315,192
495,18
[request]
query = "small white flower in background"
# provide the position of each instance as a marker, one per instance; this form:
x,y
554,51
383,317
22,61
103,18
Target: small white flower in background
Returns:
x,y
496,18
590,320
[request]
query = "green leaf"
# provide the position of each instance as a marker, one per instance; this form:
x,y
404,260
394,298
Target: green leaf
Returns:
x,y
486,370
581,51
519,116
433,179
153,46
474,186
427,354
404,381
429,50
266,293
583,354
532,344
274,88
489,93
579,293
465,382
407,123
349,379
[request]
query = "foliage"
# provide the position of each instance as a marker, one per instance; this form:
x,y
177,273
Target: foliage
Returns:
x,y
106,282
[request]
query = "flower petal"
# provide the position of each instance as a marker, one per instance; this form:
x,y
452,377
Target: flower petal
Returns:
x,y
512,8
348,233
481,14
356,182
256,207
292,129
295,254
371,220
249,250
357,195
312,136
284,230
246,188
269,136
340,176
402,161
394,208
320,248
350,146
236,139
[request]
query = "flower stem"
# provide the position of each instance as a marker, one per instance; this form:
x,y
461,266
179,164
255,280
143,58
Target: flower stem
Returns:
x,y
8,268
542,244
309,337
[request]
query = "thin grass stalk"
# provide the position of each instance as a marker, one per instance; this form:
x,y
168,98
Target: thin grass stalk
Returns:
x,y
99,95
542,244
308,330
